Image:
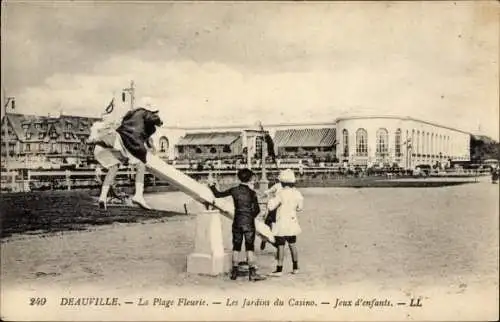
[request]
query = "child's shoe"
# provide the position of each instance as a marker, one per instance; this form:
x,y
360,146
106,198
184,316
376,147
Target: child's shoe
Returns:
x,y
253,276
276,274
295,271
234,273
278,271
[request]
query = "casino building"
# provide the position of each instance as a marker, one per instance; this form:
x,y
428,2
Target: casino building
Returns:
x,y
291,140
403,140
357,140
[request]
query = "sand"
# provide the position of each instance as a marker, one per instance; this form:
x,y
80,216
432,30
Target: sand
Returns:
x,y
440,243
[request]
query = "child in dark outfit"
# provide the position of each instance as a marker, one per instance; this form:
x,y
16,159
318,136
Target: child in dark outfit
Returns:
x,y
246,209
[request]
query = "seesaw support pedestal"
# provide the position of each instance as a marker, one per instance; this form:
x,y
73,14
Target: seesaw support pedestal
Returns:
x,y
209,257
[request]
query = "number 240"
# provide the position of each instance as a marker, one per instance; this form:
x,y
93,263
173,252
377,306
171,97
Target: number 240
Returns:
x,y
38,300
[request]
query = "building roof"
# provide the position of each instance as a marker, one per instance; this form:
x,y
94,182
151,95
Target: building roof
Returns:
x,y
34,128
305,138
247,126
214,138
403,118
319,124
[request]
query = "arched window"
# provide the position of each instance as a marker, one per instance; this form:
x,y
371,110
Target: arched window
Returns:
x,y
213,150
163,144
361,142
198,150
226,149
422,144
428,144
441,144
413,142
345,142
417,145
432,145
397,142
382,141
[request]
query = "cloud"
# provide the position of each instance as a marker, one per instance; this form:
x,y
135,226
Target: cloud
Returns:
x,y
190,93
210,64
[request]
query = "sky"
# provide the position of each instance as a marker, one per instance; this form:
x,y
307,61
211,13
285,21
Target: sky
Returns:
x,y
208,64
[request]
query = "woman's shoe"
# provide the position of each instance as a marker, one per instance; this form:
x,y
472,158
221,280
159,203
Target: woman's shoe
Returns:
x,y
102,205
140,202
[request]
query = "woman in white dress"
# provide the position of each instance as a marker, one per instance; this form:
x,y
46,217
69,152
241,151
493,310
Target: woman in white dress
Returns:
x,y
125,139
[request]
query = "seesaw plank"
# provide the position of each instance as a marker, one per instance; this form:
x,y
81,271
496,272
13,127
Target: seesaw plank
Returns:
x,y
202,193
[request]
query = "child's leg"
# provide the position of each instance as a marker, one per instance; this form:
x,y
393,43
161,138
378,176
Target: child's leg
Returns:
x,y
249,246
294,252
280,244
237,241
235,258
250,258
281,255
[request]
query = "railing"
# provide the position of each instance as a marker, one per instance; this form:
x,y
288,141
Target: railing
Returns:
x,y
16,181
35,179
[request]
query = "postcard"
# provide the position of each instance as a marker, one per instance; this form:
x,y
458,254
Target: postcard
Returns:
x,y
250,161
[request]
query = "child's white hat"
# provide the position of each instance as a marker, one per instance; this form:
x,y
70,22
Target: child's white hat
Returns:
x,y
287,176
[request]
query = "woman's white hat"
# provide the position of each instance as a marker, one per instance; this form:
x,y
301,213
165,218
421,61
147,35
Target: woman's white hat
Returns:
x,y
145,102
287,176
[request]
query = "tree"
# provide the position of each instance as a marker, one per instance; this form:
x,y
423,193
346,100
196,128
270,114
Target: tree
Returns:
x,y
483,148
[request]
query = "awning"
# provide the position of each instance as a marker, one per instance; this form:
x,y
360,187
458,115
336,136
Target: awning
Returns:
x,y
305,138
215,138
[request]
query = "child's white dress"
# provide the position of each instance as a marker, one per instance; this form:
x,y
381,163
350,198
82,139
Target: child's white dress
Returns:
x,y
288,201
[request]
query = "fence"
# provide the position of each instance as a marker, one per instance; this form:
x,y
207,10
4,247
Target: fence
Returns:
x,y
27,180
17,181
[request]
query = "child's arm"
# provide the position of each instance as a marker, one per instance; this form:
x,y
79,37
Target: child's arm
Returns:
x,y
271,190
255,203
273,203
300,202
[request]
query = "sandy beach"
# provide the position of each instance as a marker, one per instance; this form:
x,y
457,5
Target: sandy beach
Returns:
x,y
396,241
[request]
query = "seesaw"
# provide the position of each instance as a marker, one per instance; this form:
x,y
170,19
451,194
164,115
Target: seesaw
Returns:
x,y
198,191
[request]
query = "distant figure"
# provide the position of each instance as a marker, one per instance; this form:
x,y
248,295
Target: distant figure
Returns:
x,y
494,175
246,208
301,169
288,202
129,142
